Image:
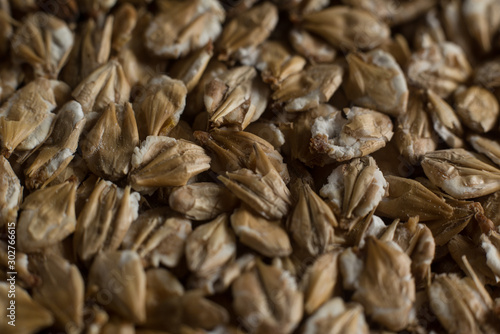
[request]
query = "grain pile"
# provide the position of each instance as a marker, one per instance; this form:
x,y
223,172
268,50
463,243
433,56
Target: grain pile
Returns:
x,y
244,166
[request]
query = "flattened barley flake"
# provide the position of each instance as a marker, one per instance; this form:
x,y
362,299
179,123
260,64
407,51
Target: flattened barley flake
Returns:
x,y
312,222
383,284
299,132
11,193
276,62
361,132
44,42
47,217
266,237
268,131
267,300
347,28
319,281
202,200
416,240
105,219
477,108
26,117
311,47
108,146
309,88
121,276
159,106
59,149
106,84
210,246
460,173
166,162
440,67
263,190
191,68
377,82
414,135
462,305
446,122
232,150
91,49
424,203
243,34
61,291
183,26
354,189
157,239
235,98
337,317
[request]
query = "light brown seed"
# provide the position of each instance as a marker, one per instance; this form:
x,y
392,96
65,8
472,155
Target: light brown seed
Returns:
x,y
425,204
446,122
414,135
377,82
106,84
26,117
181,27
47,217
461,173
210,246
44,42
355,189
158,237
117,281
263,189
266,237
235,98
477,108
108,146
267,300
315,49
159,106
104,220
312,222
347,28
308,88
358,133
61,291
370,276
59,149
166,162
336,317
243,34
202,200
319,281
441,67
